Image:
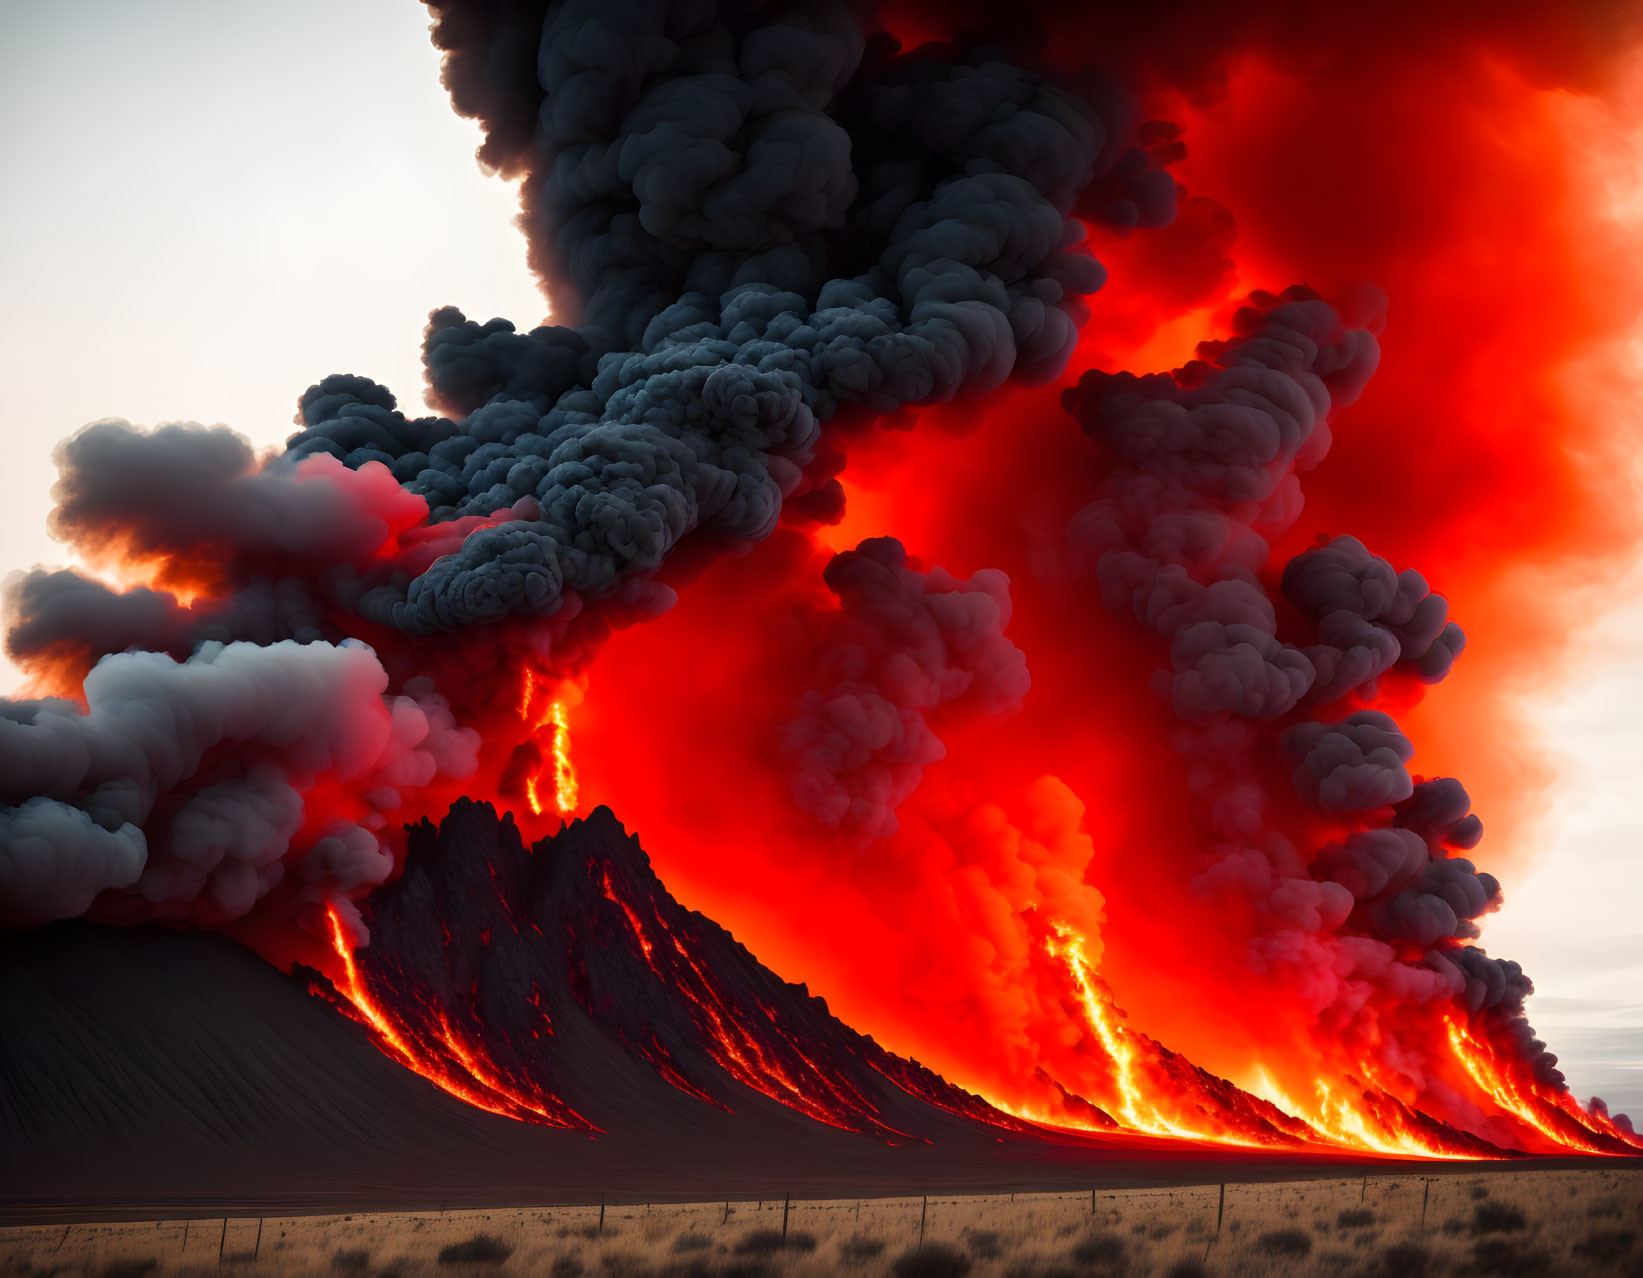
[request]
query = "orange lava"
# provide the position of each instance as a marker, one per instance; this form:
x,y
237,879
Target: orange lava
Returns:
x,y
1556,1116
455,1066
550,725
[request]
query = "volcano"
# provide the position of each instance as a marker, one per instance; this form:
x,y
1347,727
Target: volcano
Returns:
x,y
620,1041
560,984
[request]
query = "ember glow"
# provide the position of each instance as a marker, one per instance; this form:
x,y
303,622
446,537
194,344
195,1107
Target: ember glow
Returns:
x,y
1094,736
549,725
437,1051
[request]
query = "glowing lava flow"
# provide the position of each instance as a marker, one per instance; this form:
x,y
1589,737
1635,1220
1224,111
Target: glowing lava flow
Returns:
x,y
466,1076
1338,1121
1135,1110
822,1095
550,720
1559,1118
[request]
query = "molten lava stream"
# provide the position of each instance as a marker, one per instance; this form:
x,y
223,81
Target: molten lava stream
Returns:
x,y
546,716
1135,1111
736,1047
467,1077
1557,1118
1338,1121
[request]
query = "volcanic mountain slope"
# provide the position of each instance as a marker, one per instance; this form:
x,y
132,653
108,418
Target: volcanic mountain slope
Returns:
x,y
524,980
648,1053
530,980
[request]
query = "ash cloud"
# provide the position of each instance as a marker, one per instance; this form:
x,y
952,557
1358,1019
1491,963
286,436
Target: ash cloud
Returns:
x,y
1208,461
757,221
904,644
175,793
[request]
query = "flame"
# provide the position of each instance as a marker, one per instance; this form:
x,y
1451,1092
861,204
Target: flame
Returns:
x,y
1556,1117
551,721
1339,1120
1137,1110
458,1068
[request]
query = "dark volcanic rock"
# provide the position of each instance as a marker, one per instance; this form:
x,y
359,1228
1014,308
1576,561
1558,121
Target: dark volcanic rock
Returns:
x,y
145,1071
530,974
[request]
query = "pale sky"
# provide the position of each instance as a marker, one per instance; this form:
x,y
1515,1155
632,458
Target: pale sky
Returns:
x,y
210,205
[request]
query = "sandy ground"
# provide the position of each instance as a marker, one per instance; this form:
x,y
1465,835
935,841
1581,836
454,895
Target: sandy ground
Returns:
x,y
1508,1222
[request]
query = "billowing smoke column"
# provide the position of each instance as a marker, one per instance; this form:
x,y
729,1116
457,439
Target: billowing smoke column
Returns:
x,y
995,703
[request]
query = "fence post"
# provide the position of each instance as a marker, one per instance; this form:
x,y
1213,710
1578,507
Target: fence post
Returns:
x,y
185,1235
601,1213
1221,1211
1425,1198
786,1204
1364,1192
726,1220
257,1250
923,1215
222,1241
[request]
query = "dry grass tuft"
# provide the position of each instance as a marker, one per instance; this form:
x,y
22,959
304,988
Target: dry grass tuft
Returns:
x,y
1356,1218
1508,1258
130,1268
1607,1246
762,1242
351,1262
1497,1218
860,1249
481,1249
1285,1242
1405,1260
1101,1252
984,1244
934,1260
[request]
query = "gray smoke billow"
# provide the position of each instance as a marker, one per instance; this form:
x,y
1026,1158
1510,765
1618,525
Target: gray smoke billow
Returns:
x,y
176,792
752,216
756,224
903,644
1206,475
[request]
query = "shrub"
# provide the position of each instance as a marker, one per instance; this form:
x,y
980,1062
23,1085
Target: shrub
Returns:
x,y
1496,1218
351,1262
481,1249
763,1241
861,1248
1285,1242
1100,1251
1479,1192
1606,1246
1188,1268
1504,1258
1357,1218
934,1260
983,1244
130,1268
1405,1260
566,1267
692,1242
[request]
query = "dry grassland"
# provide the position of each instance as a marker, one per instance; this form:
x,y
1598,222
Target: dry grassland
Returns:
x,y
1509,1223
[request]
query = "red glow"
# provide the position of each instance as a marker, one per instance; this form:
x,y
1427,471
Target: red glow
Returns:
x,y
450,1063
1037,926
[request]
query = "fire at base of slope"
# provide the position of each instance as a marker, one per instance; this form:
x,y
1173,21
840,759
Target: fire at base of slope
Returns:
x,y
529,939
